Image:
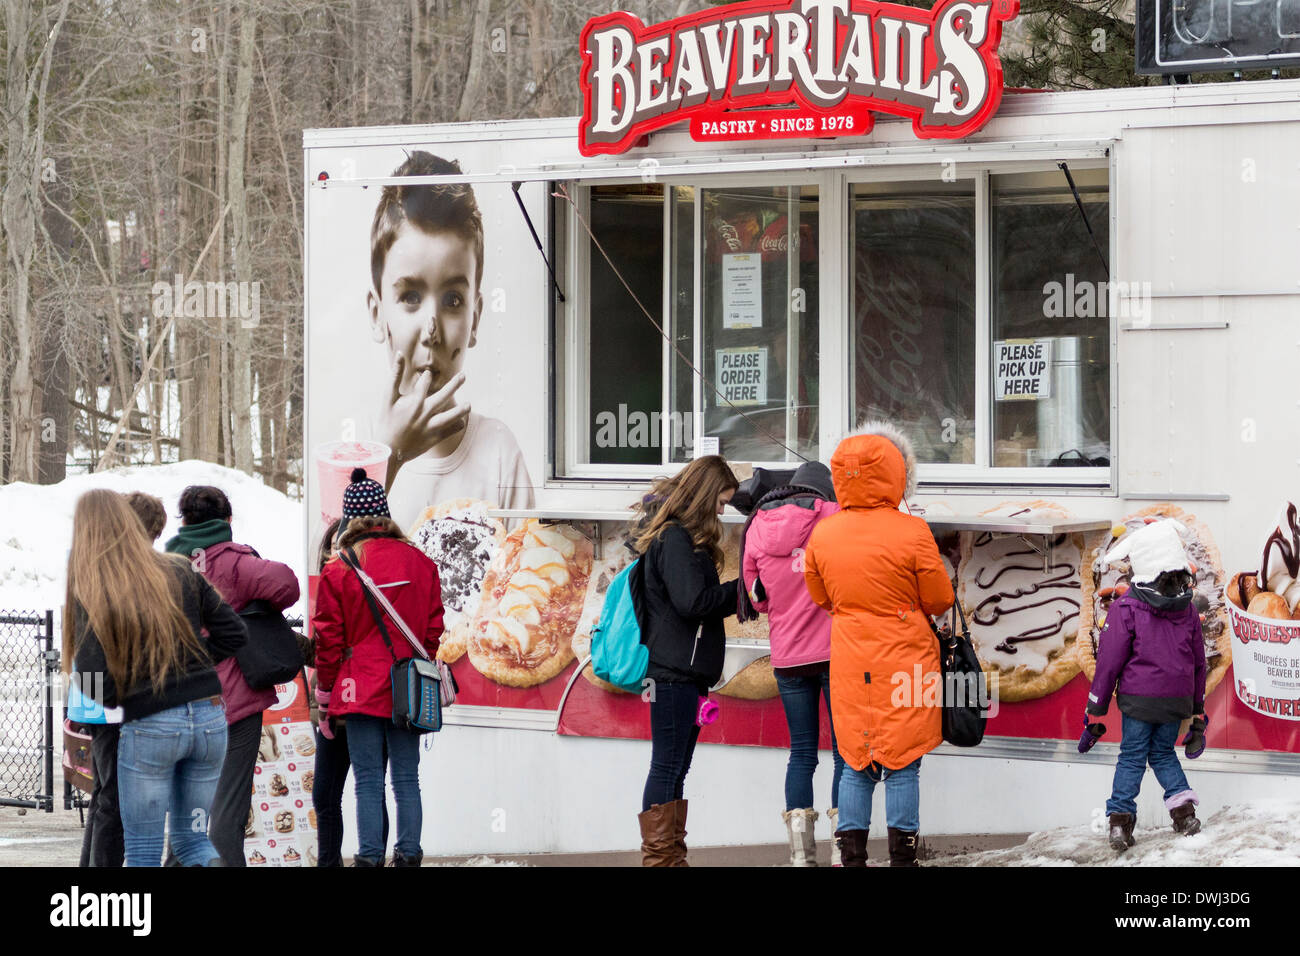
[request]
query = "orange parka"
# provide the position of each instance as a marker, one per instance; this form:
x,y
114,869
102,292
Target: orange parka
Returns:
x,y
878,572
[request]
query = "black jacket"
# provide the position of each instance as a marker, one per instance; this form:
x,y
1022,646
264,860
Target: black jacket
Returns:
x,y
194,680
683,609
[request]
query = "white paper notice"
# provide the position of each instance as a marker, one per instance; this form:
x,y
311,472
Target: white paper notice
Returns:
x,y
1022,370
742,290
742,375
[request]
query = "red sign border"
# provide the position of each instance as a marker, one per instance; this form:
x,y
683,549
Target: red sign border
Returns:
x,y
999,12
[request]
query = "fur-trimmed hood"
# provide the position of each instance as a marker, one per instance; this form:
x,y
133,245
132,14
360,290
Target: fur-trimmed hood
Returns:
x,y
874,467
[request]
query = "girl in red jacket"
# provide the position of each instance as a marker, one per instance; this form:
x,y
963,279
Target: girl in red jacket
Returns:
x,y
353,664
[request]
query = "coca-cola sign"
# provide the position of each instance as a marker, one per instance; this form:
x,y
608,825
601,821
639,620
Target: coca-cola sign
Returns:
x,y
829,63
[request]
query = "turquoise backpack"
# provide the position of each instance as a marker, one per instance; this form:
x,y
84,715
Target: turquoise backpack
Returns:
x,y
617,654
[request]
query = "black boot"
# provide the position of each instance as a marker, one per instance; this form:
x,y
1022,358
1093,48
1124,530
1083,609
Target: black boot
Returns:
x,y
853,847
366,861
1185,821
902,847
1121,831
401,859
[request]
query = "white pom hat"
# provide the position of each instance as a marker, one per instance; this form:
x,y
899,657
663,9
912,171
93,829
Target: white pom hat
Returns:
x,y
1152,549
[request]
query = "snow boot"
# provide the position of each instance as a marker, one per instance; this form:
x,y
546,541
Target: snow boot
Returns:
x,y
658,836
853,847
799,831
902,847
1185,821
833,814
1121,831
679,834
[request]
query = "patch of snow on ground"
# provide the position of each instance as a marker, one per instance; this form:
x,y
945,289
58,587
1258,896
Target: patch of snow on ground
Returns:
x,y
36,524
1259,833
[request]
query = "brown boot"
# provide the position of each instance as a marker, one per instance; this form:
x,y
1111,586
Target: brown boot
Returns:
x,y
853,847
1185,821
902,847
1121,831
658,837
679,834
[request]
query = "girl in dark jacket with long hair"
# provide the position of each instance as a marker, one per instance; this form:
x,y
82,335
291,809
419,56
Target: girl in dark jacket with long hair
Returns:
x,y
144,631
684,604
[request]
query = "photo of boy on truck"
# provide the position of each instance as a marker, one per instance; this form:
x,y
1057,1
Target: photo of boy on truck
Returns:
x,y
426,268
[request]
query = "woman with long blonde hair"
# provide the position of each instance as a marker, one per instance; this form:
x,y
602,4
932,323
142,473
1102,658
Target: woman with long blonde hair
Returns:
x,y
132,623
678,536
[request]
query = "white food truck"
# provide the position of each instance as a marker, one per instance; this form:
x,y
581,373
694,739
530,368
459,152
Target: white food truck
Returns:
x,y
1083,308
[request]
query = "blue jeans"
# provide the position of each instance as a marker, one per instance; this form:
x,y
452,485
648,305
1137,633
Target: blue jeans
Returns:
x,y
902,796
332,763
1144,744
169,763
673,734
799,697
366,738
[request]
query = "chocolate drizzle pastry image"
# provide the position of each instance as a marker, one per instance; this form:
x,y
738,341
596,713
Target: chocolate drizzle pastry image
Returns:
x,y
461,540
1274,590
1023,617
1103,583
277,786
284,821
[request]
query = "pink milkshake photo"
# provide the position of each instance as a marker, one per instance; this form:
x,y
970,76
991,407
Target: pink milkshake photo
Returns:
x,y
334,463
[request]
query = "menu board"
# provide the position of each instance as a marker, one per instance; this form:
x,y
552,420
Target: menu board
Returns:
x,y
281,829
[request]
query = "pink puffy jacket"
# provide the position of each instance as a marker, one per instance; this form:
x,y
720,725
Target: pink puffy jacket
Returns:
x,y
800,631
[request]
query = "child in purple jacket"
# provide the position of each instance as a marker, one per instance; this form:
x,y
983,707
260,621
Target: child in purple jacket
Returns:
x,y
1151,647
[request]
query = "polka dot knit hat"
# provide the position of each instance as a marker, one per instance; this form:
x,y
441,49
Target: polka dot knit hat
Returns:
x,y
364,498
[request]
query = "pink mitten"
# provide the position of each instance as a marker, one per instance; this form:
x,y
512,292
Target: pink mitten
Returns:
x,y
707,713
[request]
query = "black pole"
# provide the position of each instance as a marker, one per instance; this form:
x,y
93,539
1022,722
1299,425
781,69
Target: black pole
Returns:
x,y
536,240
1082,212
51,665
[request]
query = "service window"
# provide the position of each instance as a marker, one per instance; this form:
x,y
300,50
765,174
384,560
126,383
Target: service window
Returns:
x,y
697,316
1050,365
912,275
979,317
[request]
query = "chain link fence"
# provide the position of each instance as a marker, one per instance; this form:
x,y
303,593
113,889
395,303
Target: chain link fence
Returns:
x,y
29,664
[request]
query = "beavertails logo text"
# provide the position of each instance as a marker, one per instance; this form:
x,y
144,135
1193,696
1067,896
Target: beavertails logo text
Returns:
x,y
828,62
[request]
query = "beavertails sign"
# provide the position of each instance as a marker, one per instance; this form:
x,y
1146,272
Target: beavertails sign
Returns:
x,y
819,66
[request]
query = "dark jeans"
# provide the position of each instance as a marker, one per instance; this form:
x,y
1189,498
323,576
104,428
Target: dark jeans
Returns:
x,y
102,843
673,733
332,763
1142,744
366,738
800,698
234,797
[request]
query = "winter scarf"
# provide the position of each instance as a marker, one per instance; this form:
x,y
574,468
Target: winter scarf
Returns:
x,y
200,537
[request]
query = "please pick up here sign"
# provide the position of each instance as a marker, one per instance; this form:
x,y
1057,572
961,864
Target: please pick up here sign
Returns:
x,y
1021,369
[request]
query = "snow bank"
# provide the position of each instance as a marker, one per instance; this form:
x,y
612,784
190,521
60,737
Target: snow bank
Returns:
x,y
36,524
1258,833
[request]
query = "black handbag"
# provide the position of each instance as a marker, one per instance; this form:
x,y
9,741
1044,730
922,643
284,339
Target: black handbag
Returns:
x,y
965,686
271,655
